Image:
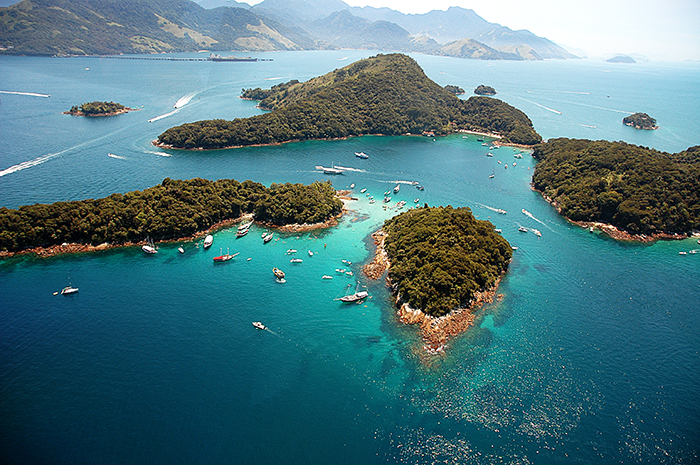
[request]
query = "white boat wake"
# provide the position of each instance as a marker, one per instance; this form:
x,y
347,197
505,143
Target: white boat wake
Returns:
x,y
493,209
411,183
118,157
542,106
345,168
527,213
31,94
184,100
273,78
27,164
162,116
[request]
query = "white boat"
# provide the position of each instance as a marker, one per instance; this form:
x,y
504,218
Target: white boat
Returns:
x,y
357,296
416,200
499,231
279,274
679,253
352,186
181,249
149,247
387,199
489,154
522,229
501,211
363,190
537,232
259,325
245,226
396,188
243,229
362,155
349,273
331,170
340,270
325,276
347,262
311,254
69,290
267,237
291,251
208,241
296,260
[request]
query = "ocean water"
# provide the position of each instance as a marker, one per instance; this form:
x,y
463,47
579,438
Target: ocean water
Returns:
x,y
591,356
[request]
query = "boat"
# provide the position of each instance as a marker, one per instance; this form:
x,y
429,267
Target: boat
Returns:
x,y
522,229
349,273
372,201
296,260
387,199
149,247
357,296
499,231
363,190
225,257
501,211
291,251
259,325
396,189
267,238
331,170
311,254
679,253
514,247
362,155
245,226
340,270
352,186
518,155
693,251
69,290
325,276
537,232
215,57
590,229
419,187
400,204
416,200
208,241
242,232
347,262
514,163
181,249
279,274
493,174
489,154
480,139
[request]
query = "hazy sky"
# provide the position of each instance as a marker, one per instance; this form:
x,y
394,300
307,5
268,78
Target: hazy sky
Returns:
x,y
658,29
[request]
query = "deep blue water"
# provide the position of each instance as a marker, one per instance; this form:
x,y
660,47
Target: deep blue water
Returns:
x,y
591,357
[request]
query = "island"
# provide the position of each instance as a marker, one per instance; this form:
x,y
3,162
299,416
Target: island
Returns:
x,y
385,94
98,109
455,89
485,90
442,265
172,210
621,59
640,121
628,192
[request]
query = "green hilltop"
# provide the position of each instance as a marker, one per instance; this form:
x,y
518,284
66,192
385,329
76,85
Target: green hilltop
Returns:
x,y
385,94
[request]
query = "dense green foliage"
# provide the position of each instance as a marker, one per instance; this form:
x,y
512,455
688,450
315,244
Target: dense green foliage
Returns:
x,y
455,89
386,94
170,210
441,256
485,90
640,121
96,108
636,189
101,27
262,94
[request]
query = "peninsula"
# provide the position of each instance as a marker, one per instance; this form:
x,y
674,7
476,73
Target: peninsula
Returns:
x,y
172,210
443,264
98,109
385,94
629,192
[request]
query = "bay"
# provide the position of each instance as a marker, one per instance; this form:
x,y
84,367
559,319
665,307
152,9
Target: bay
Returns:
x,y
591,356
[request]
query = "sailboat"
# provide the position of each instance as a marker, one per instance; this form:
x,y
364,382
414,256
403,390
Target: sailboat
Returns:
x,y
358,295
225,257
69,289
149,247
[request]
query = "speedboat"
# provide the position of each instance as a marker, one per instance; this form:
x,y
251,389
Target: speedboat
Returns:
x,y
311,254
522,229
363,190
259,325
267,238
296,260
279,274
291,251
325,276
180,249
352,186
396,188
362,155
69,290
208,241
537,232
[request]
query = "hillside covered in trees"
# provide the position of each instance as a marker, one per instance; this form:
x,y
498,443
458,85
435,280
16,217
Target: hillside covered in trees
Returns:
x,y
171,210
441,256
385,94
636,189
98,109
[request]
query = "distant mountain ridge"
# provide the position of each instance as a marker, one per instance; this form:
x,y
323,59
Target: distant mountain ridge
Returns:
x,y
101,27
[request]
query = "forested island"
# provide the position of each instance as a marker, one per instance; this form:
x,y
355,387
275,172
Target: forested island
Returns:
x,y
98,109
171,210
640,121
642,192
455,89
485,90
385,94
442,262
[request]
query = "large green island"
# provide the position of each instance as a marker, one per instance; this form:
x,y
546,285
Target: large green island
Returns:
x,y
174,209
385,94
629,192
443,263
98,109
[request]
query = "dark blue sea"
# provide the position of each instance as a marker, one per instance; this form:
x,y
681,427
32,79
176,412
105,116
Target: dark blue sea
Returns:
x,y
591,357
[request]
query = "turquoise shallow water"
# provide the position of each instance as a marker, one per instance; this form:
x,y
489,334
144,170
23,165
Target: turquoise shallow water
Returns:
x,y
591,357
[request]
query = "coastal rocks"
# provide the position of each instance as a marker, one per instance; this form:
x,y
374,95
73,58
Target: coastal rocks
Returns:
x,y
380,264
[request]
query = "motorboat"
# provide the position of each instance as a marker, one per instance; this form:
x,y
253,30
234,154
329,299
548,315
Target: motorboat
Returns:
x,y
331,170
69,290
149,247
362,155
325,276
267,238
181,249
537,232
259,325
208,241
352,186
291,251
363,190
279,274
311,254
522,229
296,260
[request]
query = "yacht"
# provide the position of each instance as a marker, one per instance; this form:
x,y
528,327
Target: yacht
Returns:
x,y
357,296
296,260
69,290
208,241
522,229
259,325
149,247
396,189
225,257
267,238
362,155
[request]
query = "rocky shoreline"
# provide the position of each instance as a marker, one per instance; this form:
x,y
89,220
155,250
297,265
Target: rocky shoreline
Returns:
x,y
435,332
613,231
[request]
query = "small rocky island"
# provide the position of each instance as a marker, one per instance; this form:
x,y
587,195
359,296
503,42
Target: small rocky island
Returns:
x,y
455,89
382,95
98,109
443,264
621,59
640,121
485,90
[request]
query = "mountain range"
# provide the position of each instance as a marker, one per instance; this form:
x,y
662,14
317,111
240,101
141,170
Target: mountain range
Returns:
x,y
98,27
